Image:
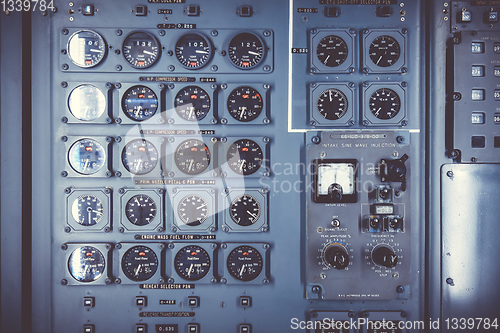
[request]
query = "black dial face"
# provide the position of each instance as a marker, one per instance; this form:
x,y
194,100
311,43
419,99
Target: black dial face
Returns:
x,y
192,103
193,210
244,104
139,156
139,103
332,51
385,103
384,51
192,157
86,48
141,49
139,263
246,50
245,210
140,209
332,104
87,210
244,263
86,264
244,157
86,156
192,263
193,51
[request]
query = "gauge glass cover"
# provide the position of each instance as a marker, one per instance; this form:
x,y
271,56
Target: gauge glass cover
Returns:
x,y
86,156
192,103
141,49
245,104
245,210
193,210
192,263
332,104
246,50
384,51
139,263
332,51
193,51
244,157
86,48
192,157
385,103
139,156
244,263
87,210
86,264
139,103
140,209
86,102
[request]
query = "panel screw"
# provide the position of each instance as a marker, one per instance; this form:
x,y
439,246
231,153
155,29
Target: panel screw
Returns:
x,y
121,230
350,314
118,67
64,120
65,67
64,84
265,281
171,68
107,229
64,282
63,51
404,123
224,245
64,174
65,31
351,70
67,229
366,122
108,281
171,280
313,70
450,174
322,276
223,53
352,31
450,281
351,84
170,53
316,289
214,33
314,314
350,123
267,68
473,159
118,139
400,139
64,247
118,85
315,139
119,32
118,281
403,314
364,314
161,32
118,174
223,281
212,280
171,86
400,289
267,33
404,31
214,68
313,31
117,52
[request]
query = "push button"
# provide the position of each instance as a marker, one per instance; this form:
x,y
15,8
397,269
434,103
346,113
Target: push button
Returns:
x,y
88,302
465,16
193,10
194,301
384,11
245,328
141,10
491,17
245,11
141,300
141,328
332,11
194,328
88,10
88,328
245,301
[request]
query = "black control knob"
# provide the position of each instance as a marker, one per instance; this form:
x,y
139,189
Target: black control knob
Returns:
x,y
335,190
384,256
336,256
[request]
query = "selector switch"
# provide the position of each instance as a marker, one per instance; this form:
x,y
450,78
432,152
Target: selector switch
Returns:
x,y
491,16
465,16
336,256
384,256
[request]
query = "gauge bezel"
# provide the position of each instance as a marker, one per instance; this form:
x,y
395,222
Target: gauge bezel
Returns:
x,y
316,35
158,142
157,224
103,194
262,279
155,39
123,119
325,198
369,119
175,247
207,194
264,169
348,119
103,172
369,35
101,39
206,39
62,264
175,172
152,118
205,155
263,118
264,50
104,118
121,248
261,195
209,119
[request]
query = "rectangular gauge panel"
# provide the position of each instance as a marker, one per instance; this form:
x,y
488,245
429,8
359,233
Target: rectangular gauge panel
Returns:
x,y
244,157
139,104
84,264
191,262
384,104
244,263
87,102
87,156
333,104
194,157
141,210
245,104
192,104
194,210
138,156
138,263
88,210
245,210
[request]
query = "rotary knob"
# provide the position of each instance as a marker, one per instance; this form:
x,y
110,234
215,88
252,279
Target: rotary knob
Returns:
x,y
336,256
384,256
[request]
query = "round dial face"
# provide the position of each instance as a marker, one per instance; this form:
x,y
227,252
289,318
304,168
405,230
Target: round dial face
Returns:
x,y
246,50
139,263
385,103
86,48
244,263
244,104
192,263
332,51
193,51
193,210
384,51
87,210
141,49
139,156
140,209
86,156
86,102
192,103
244,157
332,104
86,264
192,157
245,210
139,103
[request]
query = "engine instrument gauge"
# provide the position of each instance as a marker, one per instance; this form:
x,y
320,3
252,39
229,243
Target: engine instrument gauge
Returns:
x,y
87,210
140,209
245,210
141,49
192,263
139,103
246,50
244,157
86,264
86,102
332,104
332,51
139,156
244,104
244,263
384,51
86,156
192,157
193,51
385,103
193,210
192,103
86,48
139,263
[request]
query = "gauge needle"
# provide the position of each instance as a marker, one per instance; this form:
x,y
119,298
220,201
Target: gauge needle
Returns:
x,y
379,59
330,95
147,52
253,53
243,109
242,269
86,164
136,273
95,211
90,217
190,269
191,112
86,269
200,51
94,50
326,59
199,207
378,111
139,165
190,165
243,162
252,215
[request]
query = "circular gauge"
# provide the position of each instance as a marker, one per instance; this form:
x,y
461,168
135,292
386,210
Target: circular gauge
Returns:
x,y
385,103
193,51
384,51
332,104
141,49
139,263
86,48
140,209
192,262
193,210
246,50
244,104
192,157
332,51
86,102
244,156
139,156
245,210
86,156
87,210
139,103
244,263
86,264
192,103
